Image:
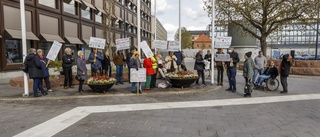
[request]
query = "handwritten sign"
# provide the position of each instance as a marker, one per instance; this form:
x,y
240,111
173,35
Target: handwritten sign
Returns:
x,y
123,43
54,50
160,44
139,75
222,42
173,46
97,43
146,49
222,57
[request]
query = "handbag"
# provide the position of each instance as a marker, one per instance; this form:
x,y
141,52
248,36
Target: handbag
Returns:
x,y
77,77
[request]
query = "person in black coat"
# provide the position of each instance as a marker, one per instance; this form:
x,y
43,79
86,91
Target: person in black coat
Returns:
x,y
106,65
35,72
232,70
67,61
285,66
199,66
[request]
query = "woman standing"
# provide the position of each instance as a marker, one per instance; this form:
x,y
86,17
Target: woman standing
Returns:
x,y
248,73
106,66
81,70
285,66
134,63
147,63
67,61
199,66
45,70
220,68
171,62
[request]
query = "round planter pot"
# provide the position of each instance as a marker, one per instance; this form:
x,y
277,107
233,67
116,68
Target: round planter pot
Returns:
x,y
182,83
101,88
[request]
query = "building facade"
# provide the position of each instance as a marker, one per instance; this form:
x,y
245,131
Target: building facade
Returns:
x,y
202,42
71,22
161,32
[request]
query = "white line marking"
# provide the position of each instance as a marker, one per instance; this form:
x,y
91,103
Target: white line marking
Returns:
x,y
63,121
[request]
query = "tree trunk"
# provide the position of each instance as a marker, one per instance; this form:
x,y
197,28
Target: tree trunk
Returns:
x,y
263,43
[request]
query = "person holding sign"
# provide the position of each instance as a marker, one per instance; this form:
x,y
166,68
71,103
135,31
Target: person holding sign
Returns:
x,y
220,68
147,63
119,60
232,70
199,66
135,63
67,61
95,58
171,62
154,60
45,71
129,56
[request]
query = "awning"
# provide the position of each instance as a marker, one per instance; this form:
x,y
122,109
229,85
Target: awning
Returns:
x,y
86,41
119,18
73,40
101,10
17,34
88,4
51,38
77,1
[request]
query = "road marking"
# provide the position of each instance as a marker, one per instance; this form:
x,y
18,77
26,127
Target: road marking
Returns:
x,y
63,121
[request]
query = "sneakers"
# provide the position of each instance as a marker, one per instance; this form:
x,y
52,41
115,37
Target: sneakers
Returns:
x,y
247,95
229,89
50,90
284,92
234,90
121,83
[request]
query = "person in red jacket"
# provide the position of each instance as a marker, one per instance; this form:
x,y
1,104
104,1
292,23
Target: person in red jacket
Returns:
x,y
147,63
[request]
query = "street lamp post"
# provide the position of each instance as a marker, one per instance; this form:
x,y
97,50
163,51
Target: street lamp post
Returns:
x,y
24,45
212,44
317,38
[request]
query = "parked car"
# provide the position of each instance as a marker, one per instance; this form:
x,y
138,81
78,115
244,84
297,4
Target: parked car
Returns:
x,y
298,57
306,56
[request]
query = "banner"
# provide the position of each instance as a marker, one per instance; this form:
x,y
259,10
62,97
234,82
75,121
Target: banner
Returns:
x,y
160,44
222,42
222,57
173,46
139,75
123,43
146,49
54,50
97,43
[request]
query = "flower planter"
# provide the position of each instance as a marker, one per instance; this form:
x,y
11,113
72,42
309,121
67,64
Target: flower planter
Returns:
x,y
101,88
182,83
101,83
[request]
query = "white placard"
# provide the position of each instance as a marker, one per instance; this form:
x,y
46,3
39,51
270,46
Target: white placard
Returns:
x,y
123,43
97,43
222,57
222,42
173,46
54,50
139,75
160,44
146,49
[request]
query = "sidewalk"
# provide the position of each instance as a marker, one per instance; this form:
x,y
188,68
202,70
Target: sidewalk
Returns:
x,y
13,93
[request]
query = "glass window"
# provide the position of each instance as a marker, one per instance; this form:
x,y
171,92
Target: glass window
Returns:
x,y
74,49
98,17
14,51
49,3
86,50
45,46
69,6
85,12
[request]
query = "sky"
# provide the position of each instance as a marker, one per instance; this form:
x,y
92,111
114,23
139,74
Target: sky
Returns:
x,y
193,17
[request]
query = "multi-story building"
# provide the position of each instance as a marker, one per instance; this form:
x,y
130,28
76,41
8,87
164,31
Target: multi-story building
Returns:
x,y
202,42
161,32
71,22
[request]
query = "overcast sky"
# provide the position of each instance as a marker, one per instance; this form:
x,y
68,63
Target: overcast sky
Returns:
x,y
193,17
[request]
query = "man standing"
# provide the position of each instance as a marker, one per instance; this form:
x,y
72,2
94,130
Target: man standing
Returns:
x,y
95,58
259,63
285,66
199,66
129,56
232,69
154,60
119,60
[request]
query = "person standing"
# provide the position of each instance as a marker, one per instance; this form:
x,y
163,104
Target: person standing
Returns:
x,y
119,60
147,63
285,66
45,70
259,63
67,61
247,73
129,56
199,66
106,65
154,60
95,58
81,69
171,65
220,68
232,70
35,72
135,63
179,60
208,58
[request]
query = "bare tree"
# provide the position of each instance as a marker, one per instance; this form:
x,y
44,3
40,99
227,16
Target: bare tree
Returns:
x,y
107,24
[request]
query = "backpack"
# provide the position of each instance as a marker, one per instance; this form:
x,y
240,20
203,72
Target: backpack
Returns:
x,y
24,67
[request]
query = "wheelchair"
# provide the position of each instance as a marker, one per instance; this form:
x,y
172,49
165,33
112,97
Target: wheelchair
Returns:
x,y
270,84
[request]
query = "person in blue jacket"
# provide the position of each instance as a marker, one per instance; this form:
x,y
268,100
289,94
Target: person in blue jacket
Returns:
x,y
96,58
45,70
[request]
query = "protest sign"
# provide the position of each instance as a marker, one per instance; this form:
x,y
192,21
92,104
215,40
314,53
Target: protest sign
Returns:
x,y
173,46
123,43
222,42
138,75
222,57
97,43
54,50
146,49
160,44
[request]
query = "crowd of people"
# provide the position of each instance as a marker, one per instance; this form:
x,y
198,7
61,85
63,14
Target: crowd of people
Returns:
x,y
253,69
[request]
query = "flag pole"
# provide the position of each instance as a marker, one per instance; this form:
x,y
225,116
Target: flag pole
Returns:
x,y
212,37
138,37
24,46
180,24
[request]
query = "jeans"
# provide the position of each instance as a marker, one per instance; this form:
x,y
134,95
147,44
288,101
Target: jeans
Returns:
x,y
37,85
284,83
220,74
200,74
47,81
119,71
67,76
231,73
261,78
147,85
255,74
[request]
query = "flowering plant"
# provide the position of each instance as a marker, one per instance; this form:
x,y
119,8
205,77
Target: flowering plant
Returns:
x,y
101,80
182,75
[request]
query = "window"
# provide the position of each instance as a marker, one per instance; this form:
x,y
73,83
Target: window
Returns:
x,y
69,6
49,3
198,45
14,50
98,17
86,50
45,46
86,12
